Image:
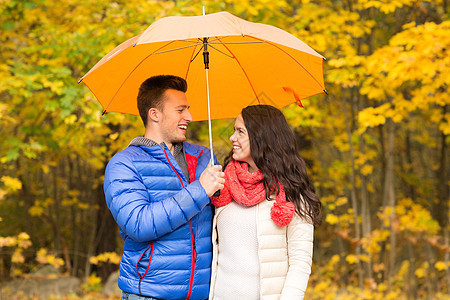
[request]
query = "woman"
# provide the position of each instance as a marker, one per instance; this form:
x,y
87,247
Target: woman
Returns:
x,y
265,216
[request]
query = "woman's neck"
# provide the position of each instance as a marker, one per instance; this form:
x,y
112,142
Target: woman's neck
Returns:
x,y
252,168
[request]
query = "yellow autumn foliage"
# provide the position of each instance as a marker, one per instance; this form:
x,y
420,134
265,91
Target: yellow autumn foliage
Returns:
x,y
43,257
413,57
17,256
386,61
106,257
332,219
93,283
351,259
11,184
414,218
441,266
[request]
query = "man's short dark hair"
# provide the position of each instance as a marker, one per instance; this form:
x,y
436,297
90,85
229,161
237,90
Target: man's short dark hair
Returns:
x,y
151,92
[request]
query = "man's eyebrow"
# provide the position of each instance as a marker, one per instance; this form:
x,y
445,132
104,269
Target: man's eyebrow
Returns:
x,y
183,106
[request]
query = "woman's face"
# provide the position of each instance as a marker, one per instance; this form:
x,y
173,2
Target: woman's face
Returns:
x,y
241,143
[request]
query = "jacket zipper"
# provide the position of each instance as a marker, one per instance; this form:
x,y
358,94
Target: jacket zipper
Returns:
x,y
193,237
148,266
194,260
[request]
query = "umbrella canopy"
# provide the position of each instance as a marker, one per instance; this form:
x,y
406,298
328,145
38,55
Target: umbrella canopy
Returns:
x,y
250,63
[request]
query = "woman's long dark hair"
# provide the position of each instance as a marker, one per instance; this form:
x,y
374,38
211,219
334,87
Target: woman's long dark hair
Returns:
x,y
274,151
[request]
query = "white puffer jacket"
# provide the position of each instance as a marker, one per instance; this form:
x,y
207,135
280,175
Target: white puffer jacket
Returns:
x,y
285,255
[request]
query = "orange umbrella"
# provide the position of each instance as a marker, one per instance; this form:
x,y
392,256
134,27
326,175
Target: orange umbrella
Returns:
x,y
249,63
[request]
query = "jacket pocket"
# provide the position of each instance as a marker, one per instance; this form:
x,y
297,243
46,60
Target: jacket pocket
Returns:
x,y
142,268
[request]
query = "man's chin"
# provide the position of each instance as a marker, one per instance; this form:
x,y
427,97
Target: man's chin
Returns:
x,y
179,140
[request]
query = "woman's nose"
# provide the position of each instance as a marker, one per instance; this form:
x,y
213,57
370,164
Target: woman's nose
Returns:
x,y
233,137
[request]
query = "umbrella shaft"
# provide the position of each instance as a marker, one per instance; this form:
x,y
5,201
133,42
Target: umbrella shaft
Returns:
x,y
209,118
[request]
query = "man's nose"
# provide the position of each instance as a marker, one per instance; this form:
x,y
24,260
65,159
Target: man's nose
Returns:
x,y
188,116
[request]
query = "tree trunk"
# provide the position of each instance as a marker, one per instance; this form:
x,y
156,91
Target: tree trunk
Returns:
x,y
56,213
73,180
389,196
27,197
91,245
366,221
441,207
354,200
447,257
106,227
106,234
411,291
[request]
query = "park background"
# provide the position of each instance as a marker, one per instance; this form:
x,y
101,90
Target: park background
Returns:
x,y
376,146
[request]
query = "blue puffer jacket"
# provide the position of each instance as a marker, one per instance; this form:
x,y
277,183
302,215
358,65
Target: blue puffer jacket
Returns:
x,y
164,221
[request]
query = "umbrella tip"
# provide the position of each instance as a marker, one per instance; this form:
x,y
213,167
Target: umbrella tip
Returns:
x,y
80,80
325,91
104,112
325,59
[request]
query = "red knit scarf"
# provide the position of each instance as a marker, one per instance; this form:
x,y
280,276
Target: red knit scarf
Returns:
x,y
248,189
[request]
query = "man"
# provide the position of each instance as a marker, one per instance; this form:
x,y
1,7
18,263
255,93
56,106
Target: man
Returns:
x,y
158,192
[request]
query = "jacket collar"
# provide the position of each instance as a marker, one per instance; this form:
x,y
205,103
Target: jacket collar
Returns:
x,y
146,142
192,149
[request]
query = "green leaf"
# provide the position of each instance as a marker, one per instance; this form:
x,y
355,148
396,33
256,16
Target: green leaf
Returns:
x,y
13,142
29,5
12,154
8,25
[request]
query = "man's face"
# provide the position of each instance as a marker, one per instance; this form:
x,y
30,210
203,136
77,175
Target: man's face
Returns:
x,y
175,117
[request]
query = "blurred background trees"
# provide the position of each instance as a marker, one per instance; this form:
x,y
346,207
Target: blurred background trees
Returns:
x,y
377,145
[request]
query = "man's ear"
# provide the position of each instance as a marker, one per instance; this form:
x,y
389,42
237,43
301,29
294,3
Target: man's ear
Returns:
x,y
154,115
